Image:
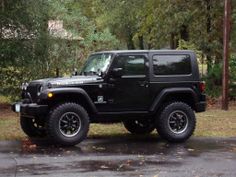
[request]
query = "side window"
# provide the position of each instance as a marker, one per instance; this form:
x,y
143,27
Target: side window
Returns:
x,y
171,64
131,64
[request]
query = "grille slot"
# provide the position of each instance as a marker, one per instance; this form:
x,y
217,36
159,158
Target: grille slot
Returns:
x,y
32,89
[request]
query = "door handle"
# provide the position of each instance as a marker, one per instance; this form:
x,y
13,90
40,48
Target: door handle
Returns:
x,y
112,80
144,84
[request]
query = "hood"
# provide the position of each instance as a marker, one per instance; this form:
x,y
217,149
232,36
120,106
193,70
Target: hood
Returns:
x,y
67,81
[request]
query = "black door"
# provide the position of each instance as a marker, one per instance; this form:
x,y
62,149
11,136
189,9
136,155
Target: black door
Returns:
x,y
130,90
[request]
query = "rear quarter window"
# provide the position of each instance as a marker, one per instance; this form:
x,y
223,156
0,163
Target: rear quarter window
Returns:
x,y
171,65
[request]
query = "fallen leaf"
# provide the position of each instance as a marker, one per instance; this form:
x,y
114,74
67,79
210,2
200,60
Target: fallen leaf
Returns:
x,y
104,167
33,146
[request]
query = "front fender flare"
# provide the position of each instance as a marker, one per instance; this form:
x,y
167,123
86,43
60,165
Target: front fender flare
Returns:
x,y
76,91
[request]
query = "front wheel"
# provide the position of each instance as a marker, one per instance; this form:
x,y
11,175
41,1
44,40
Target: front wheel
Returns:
x,y
177,122
68,124
144,126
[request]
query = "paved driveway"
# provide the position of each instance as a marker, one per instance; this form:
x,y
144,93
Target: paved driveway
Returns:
x,y
120,156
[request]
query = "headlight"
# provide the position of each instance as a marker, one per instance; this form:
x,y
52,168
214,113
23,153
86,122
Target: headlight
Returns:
x,y
24,86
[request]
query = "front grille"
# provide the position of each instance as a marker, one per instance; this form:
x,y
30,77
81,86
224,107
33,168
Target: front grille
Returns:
x,y
32,89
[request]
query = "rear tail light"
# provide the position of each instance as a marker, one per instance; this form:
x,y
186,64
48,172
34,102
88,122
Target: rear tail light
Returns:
x,y
202,86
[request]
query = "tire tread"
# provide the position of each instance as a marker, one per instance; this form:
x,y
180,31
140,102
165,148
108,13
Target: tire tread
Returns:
x,y
162,129
56,111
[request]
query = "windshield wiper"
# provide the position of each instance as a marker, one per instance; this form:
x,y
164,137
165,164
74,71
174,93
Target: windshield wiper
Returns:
x,y
90,73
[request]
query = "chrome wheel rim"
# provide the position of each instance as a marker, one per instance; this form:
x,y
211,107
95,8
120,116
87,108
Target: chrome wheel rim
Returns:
x,y
69,124
178,122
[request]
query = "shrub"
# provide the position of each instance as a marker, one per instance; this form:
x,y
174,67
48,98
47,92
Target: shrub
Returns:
x,y
213,81
11,79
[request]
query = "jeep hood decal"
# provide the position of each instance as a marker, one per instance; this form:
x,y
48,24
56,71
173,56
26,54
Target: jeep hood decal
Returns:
x,y
67,81
75,80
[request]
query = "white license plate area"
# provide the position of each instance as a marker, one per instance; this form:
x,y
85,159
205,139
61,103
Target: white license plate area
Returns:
x,y
17,107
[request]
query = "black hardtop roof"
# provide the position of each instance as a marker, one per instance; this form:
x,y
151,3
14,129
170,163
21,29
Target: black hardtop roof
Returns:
x,y
146,51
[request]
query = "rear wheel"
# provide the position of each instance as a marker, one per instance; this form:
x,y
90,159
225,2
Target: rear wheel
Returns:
x,y
139,126
32,127
68,124
176,122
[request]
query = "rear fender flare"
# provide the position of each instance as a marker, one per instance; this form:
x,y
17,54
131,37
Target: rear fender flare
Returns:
x,y
165,92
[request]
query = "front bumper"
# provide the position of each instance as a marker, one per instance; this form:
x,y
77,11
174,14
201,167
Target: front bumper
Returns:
x,y
30,109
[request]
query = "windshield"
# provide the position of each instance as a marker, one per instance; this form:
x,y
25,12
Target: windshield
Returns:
x,y
96,64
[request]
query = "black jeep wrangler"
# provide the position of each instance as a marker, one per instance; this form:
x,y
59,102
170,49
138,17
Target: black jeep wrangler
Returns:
x,y
146,90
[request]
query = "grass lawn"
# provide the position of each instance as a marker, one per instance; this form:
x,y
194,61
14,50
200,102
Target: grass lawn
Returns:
x,y
213,123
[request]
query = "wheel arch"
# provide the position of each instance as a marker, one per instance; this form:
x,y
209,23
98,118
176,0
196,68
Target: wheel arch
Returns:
x,y
186,95
76,95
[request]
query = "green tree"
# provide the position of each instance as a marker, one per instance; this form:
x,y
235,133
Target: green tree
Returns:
x,y
21,37
84,36
120,17
29,51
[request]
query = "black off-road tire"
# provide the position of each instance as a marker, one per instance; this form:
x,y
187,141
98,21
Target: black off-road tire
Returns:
x,y
78,117
139,127
170,120
32,127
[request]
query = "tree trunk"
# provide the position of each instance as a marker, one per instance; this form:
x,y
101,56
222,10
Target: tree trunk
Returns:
x,y
184,34
149,43
130,42
219,53
173,41
2,5
57,72
208,25
1,23
141,45
209,62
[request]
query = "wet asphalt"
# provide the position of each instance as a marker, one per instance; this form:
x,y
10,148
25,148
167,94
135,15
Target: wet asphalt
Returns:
x,y
120,156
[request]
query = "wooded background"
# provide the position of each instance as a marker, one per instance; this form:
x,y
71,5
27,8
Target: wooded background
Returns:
x,y
30,49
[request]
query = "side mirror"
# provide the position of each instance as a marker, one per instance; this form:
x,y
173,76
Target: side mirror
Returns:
x,y
117,72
